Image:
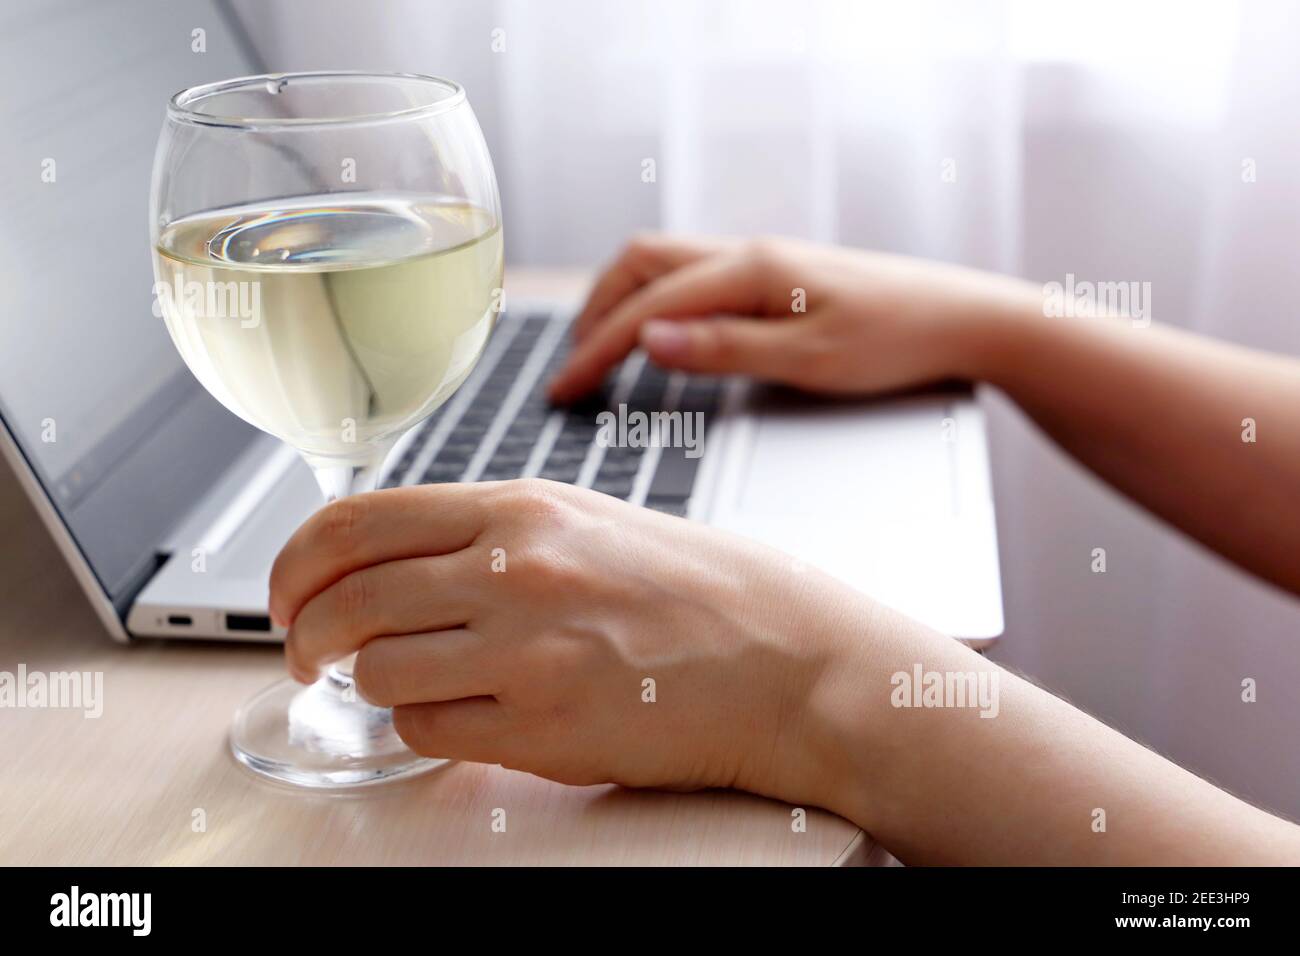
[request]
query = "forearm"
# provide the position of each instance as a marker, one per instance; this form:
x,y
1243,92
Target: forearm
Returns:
x,y
1159,414
1166,417
1035,782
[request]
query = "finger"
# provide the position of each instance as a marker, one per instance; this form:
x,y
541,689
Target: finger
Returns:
x,y
642,260
420,668
766,349
397,597
367,529
726,283
477,729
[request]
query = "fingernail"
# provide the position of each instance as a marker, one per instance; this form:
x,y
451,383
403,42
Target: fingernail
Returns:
x,y
665,340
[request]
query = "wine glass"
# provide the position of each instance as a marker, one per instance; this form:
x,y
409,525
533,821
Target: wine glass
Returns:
x,y
328,261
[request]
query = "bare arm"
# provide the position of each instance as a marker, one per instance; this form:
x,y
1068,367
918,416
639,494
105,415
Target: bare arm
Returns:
x,y
1202,433
1039,783
620,645
1159,413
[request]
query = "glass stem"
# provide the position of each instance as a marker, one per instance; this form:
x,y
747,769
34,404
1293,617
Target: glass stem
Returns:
x,y
338,478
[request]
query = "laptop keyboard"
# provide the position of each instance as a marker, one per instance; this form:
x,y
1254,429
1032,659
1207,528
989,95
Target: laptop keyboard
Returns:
x,y
499,424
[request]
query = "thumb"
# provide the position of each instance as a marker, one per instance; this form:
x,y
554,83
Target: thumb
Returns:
x,y
762,348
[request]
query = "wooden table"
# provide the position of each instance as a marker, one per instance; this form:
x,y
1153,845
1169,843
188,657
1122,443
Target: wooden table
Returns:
x,y
151,781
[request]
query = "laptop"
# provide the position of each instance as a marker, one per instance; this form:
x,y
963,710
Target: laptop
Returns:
x,y
170,510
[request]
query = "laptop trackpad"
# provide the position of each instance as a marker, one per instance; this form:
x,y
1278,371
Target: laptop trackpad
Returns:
x,y
881,495
880,460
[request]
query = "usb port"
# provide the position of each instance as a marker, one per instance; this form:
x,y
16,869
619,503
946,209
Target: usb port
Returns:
x,y
248,622
180,620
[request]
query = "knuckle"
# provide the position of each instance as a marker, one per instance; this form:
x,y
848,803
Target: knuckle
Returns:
x,y
641,242
341,520
764,251
712,342
539,497
353,595
545,518
547,568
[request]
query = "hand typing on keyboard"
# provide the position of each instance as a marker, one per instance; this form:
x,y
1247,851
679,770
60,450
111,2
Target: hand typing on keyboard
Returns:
x,y
823,318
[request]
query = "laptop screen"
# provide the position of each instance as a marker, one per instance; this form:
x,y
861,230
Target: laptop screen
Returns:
x,y
113,425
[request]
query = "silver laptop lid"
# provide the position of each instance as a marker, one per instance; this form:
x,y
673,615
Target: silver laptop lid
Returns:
x,y
121,438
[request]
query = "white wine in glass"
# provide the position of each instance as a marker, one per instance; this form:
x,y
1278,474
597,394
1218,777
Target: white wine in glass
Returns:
x,y
367,313
332,311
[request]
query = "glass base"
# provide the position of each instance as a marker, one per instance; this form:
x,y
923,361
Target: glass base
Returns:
x,y
322,736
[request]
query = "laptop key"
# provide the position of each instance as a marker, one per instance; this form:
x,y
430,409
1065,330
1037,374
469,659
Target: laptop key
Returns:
x,y
564,472
675,476
619,465
440,471
670,486
509,456
670,506
517,442
460,452
618,486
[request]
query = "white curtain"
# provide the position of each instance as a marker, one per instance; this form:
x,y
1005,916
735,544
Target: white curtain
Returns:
x,y
1154,141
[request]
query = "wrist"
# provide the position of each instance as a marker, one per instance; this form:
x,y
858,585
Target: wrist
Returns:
x,y
861,749
836,739
991,328
801,740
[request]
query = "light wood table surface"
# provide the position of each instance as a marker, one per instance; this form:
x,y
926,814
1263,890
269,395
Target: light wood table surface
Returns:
x,y
131,786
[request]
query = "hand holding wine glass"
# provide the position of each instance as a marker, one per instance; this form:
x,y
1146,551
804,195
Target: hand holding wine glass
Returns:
x,y
354,220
